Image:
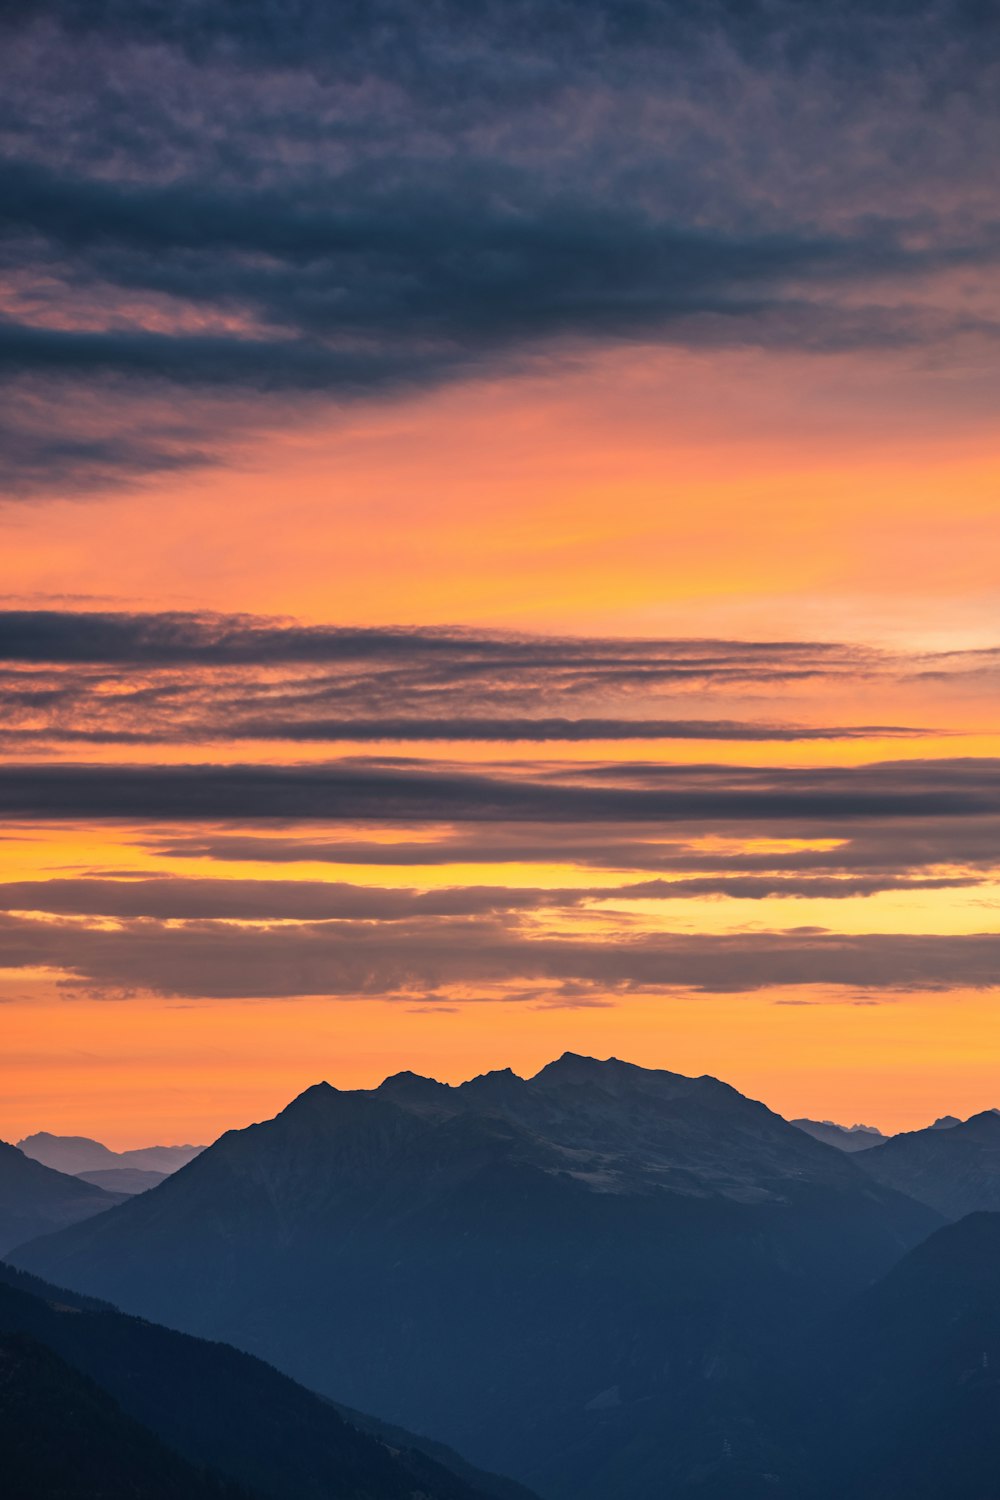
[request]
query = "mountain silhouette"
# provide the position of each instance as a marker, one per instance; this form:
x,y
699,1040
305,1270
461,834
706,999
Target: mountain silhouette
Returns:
x,y
571,1278
215,1409
955,1170
35,1199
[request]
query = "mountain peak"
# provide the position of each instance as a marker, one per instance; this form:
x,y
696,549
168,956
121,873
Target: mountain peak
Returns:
x,y
576,1067
413,1091
985,1125
501,1086
314,1097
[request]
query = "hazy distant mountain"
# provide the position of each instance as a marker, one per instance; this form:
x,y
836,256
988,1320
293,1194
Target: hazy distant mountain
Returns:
x,y
955,1170
568,1278
945,1122
844,1137
127,1180
62,1438
34,1199
78,1154
220,1410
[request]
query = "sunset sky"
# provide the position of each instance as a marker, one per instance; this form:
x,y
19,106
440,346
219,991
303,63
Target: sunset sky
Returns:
x,y
500,544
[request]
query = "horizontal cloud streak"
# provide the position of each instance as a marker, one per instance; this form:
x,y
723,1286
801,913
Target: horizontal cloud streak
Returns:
x,y
178,639
537,731
181,898
346,790
216,960
89,677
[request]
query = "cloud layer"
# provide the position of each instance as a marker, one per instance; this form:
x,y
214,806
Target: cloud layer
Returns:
x,y
309,206
86,677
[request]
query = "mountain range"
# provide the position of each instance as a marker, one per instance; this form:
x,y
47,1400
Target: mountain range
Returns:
x,y
577,1279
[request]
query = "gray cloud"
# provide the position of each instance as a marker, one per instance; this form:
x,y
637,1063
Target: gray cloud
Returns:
x,y
217,960
334,204
176,639
184,898
92,677
872,855
401,790
496,729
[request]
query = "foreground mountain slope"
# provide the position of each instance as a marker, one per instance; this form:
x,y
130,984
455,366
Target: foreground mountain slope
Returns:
x,y
228,1412
62,1438
559,1276
35,1199
909,1377
955,1170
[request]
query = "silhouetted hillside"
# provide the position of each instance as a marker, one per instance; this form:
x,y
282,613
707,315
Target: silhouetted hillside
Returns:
x,y
228,1412
62,1438
909,1378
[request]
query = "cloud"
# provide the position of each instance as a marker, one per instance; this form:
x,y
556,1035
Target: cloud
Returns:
x,y
326,206
852,860
186,898
93,677
414,791
178,639
217,960
470,730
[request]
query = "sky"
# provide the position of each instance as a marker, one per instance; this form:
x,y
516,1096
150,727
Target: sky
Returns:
x,y
500,551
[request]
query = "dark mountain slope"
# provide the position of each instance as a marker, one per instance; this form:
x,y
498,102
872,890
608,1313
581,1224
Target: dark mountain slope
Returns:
x,y
35,1199
558,1276
62,1438
909,1378
956,1171
226,1411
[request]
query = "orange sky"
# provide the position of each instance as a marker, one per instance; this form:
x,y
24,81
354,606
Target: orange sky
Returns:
x,y
575,463
620,497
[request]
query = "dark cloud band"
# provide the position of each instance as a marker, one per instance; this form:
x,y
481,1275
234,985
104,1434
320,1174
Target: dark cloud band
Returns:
x,y
414,792
217,960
